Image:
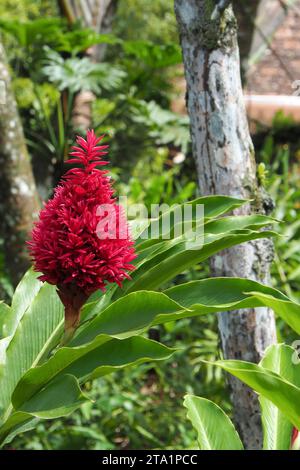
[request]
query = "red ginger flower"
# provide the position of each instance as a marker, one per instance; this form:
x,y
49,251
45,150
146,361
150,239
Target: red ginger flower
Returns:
x,y
67,245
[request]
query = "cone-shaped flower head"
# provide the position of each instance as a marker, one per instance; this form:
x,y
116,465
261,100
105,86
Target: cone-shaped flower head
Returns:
x,y
81,241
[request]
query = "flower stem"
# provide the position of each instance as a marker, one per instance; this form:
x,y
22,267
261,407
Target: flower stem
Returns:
x,y
72,320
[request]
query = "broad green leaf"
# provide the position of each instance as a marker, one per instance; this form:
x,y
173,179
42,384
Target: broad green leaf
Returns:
x,y
184,230
222,292
59,398
215,430
25,292
176,258
158,251
39,327
277,428
4,313
174,255
225,294
15,424
213,206
149,249
282,393
237,222
127,315
142,309
100,357
287,309
19,423
51,390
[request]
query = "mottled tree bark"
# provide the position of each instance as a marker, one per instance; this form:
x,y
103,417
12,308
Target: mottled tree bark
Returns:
x,y
18,196
225,161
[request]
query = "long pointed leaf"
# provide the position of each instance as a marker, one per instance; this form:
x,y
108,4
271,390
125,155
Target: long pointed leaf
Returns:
x,y
282,393
95,359
60,398
142,309
32,337
286,309
215,430
277,428
178,258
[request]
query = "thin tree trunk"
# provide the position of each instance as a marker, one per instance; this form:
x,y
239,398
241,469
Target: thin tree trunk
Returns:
x,y
225,161
258,21
243,11
18,195
97,15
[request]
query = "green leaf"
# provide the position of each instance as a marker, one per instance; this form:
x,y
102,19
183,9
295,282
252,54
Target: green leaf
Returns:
x,y
142,309
168,247
174,258
127,315
4,313
277,428
52,390
24,294
100,357
238,222
282,393
215,430
39,31
77,74
18,423
229,293
40,322
213,206
286,309
59,398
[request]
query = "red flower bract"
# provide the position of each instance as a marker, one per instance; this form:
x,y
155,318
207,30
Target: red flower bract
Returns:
x,y
66,245
295,440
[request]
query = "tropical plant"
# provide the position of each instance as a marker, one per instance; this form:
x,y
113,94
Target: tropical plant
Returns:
x,y
40,381
80,74
277,380
140,407
133,95
33,35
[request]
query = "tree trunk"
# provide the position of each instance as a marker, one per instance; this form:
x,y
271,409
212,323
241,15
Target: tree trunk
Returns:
x,y
258,21
225,162
18,196
245,10
97,15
